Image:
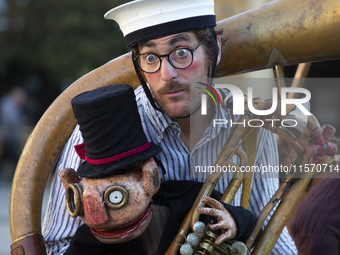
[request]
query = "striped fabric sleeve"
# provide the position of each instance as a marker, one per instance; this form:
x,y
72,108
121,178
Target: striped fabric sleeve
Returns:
x,y
59,226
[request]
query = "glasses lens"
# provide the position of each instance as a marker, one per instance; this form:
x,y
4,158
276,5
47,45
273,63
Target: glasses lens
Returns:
x,y
181,58
148,62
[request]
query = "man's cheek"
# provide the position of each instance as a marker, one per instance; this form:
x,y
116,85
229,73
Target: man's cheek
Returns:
x,y
194,66
149,77
195,70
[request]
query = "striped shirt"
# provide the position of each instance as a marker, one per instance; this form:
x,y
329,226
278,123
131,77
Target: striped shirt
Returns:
x,y
179,164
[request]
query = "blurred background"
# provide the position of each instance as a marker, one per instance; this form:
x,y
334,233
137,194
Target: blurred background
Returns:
x,y
46,45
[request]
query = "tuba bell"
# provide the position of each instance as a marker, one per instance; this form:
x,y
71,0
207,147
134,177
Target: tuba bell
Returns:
x,y
276,34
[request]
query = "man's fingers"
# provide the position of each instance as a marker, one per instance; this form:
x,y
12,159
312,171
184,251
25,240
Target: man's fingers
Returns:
x,y
225,221
219,225
223,237
209,211
214,203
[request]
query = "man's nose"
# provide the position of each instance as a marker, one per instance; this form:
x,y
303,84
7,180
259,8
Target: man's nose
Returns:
x,y
94,208
168,72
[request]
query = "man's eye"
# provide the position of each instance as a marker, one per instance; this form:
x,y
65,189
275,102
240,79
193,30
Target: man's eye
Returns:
x,y
181,53
150,58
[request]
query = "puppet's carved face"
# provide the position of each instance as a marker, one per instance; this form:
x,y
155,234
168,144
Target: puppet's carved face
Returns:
x,y
117,209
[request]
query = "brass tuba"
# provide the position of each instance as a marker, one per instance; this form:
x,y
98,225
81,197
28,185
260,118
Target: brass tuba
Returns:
x,y
278,33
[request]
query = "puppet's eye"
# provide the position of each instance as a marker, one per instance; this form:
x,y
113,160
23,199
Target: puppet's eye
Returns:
x,y
116,197
74,198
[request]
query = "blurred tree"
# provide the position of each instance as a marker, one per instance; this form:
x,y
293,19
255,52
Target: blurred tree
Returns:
x,y
55,41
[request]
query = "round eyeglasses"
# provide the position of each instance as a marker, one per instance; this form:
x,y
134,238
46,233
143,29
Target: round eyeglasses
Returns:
x,y
179,58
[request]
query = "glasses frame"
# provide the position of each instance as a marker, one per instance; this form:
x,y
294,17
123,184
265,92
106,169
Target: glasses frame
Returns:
x,y
168,57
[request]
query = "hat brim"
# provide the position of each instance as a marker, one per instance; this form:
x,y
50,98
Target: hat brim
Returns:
x,y
101,171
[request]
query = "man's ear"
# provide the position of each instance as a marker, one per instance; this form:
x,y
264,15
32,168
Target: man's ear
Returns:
x,y
219,50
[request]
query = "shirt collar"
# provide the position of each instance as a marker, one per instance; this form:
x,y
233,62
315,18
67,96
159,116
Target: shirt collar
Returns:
x,y
159,120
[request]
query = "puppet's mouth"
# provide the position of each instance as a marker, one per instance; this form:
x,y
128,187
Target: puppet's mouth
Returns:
x,y
122,231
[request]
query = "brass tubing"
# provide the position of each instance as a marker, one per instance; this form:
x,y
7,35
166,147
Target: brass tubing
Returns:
x,y
280,33
233,140
301,72
213,179
230,147
233,186
312,123
281,216
265,212
279,79
289,203
206,190
278,71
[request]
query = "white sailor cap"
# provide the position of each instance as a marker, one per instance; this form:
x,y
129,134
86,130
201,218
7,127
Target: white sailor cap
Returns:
x,y
144,20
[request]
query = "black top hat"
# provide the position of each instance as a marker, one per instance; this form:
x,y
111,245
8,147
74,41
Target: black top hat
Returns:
x,y
111,127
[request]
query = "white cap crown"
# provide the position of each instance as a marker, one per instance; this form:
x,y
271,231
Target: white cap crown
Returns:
x,y
143,20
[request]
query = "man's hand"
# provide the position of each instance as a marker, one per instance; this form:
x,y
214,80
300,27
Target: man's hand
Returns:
x,y
225,221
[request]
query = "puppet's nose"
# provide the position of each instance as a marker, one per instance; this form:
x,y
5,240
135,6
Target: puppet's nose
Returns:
x,y
94,208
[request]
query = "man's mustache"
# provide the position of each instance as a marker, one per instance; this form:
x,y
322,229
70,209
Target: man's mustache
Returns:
x,y
170,87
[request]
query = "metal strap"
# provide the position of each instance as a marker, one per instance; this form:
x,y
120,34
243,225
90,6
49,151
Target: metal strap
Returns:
x,y
249,147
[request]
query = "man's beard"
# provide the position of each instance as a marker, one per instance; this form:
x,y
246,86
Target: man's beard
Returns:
x,y
179,111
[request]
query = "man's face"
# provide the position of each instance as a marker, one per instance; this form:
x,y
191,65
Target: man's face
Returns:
x,y
171,86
